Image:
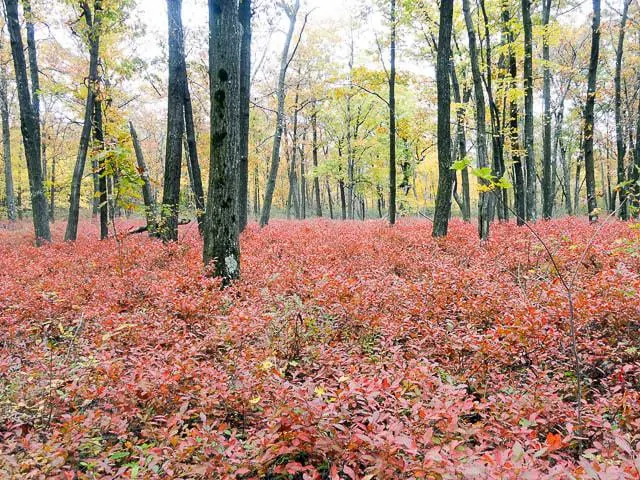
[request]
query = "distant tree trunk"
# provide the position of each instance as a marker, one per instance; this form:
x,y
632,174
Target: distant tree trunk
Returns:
x,y
343,203
547,174
147,195
592,203
93,23
29,127
175,124
314,153
330,200
528,110
98,136
221,236
620,141
497,137
392,118
462,142
12,213
192,151
292,13
443,197
485,204
567,179
635,169
303,180
245,14
516,159
52,191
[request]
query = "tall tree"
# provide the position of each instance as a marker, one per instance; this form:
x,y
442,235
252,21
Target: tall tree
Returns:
x,y
291,11
445,177
93,22
175,124
392,116
221,236
547,171
6,139
592,203
245,14
620,137
528,109
29,126
33,73
485,203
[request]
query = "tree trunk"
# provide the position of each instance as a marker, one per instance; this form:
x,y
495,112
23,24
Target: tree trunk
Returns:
x,y
485,204
443,197
245,14
547,174
497,139
343,202
29,127
392,118
330,200
98,136
462,142
93,23
620,141
192,154
12,213
221,236
52,191
175,124
33,73
314,153
592,203
528,110
149,202
516,159
292,13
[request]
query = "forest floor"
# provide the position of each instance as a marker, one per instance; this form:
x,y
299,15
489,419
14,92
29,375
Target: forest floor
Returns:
x,y
347,351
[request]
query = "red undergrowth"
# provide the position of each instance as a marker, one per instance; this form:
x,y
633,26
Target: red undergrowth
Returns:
x,y
347,351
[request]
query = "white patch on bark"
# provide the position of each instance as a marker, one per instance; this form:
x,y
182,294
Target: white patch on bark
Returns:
x,y
231,263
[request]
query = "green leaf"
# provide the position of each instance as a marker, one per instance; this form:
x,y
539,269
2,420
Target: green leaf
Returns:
x,y
461,164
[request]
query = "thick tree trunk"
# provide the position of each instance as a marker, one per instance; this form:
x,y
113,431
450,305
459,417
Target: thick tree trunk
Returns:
x,y
528,110
392,118
29,127
547,159
150,209
221,236
592,203
175,124
245,14
443,197
12,213
192,153
620,140
485,204
93,23
292,13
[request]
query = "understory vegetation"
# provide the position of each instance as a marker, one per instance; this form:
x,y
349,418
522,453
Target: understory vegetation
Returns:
x,y
346,351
